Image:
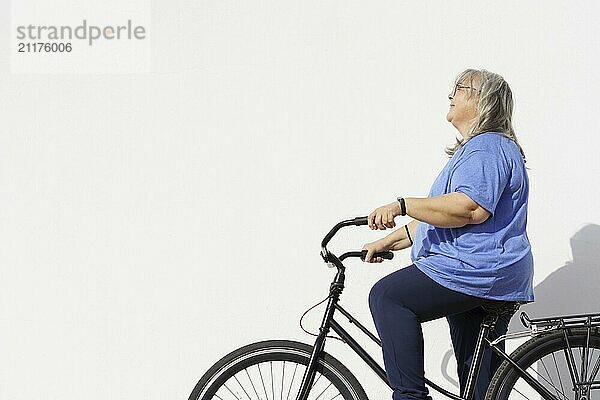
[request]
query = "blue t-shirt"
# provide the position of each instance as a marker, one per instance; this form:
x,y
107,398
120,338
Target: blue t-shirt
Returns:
x,y
493,259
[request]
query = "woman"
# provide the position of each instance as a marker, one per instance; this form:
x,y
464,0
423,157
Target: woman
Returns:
x,y
468,238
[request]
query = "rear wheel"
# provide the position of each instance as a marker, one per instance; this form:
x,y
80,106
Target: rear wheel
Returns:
x,y
273,370
546,358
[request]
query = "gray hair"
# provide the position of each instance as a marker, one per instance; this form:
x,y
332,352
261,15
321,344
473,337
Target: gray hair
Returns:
x,y
494,106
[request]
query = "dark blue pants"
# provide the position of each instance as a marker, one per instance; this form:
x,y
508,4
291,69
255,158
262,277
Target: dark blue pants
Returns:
x,y
404,299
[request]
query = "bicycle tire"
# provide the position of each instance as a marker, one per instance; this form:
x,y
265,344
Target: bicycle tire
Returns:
x,y
269,351
504,382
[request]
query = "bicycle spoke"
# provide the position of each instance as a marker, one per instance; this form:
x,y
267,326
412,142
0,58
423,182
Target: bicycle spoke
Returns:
x,y
559,378
552,384
526,391
337,395
570,360
518,391
272,388
263,381
238,381
282,376
595,370
316,380
320,394
583,354
252,383
590,358
292,382
227,387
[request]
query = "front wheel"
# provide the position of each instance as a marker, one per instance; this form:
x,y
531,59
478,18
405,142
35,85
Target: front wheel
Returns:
x,y
560,365
273,370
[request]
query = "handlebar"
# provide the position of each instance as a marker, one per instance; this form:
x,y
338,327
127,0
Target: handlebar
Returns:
x,y
358,221
332,259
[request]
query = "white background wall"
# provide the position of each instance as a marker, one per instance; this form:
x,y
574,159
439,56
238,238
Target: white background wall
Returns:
x,y
151,222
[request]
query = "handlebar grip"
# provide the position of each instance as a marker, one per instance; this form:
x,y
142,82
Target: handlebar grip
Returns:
x,y
358,221
386,255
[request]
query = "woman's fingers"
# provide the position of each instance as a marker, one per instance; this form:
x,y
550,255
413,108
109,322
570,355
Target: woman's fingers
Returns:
x,y
390,220
379,220
375,219
385,219
371,249
371,220
382,218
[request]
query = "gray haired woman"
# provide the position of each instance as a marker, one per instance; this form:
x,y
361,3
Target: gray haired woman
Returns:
x,y
468,240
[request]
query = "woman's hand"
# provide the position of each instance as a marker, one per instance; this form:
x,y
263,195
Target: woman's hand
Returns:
x,y
375,247
384,216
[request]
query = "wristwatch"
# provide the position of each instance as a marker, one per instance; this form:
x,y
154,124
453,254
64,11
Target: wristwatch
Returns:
x,y
402,205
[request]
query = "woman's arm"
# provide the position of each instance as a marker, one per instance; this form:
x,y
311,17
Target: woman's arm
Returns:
x,y
452,210
398,240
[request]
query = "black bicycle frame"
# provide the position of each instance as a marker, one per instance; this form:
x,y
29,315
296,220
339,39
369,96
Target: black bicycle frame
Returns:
x,y
329,322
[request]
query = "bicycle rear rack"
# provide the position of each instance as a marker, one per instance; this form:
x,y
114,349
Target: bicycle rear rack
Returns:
x,y
540,325
537,326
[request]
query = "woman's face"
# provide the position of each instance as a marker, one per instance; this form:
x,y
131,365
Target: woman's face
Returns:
x,y
463,105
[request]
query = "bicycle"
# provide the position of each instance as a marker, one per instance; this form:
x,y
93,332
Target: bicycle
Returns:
x,y
239,374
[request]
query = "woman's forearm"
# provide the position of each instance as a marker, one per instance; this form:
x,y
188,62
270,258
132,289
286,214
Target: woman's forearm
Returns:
x,y
452,210
398,240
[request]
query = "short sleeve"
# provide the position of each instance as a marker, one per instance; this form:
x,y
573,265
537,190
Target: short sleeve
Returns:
x,y
481,175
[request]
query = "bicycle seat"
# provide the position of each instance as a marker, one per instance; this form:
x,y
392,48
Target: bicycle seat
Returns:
x,y
498,308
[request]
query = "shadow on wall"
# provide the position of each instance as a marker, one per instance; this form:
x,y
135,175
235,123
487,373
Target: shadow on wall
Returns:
x,y
571,289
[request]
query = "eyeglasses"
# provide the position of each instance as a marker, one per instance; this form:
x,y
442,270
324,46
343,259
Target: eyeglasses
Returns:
x,y
458,86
